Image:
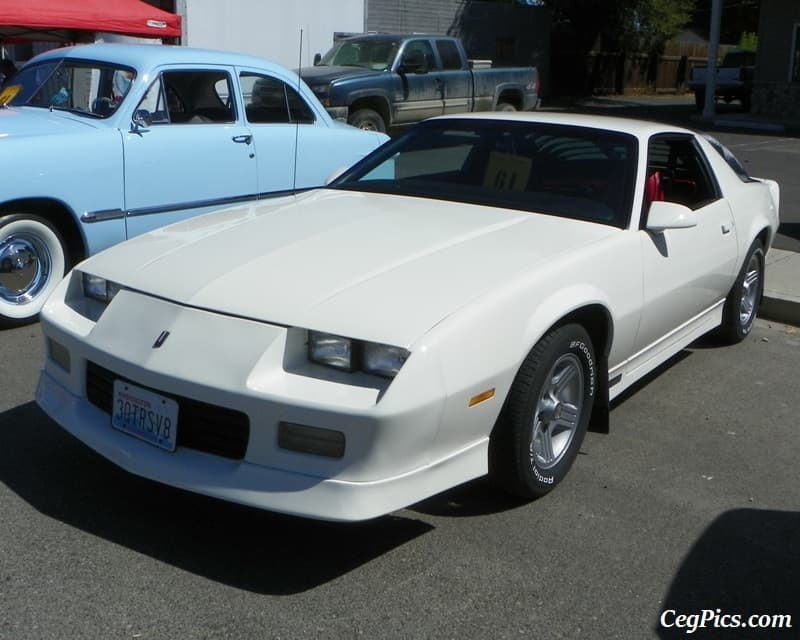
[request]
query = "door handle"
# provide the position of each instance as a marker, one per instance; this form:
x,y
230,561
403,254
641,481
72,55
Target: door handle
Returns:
x,y
726,227
244,139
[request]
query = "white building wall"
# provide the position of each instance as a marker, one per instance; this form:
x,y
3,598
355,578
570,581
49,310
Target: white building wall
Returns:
x,y
270,28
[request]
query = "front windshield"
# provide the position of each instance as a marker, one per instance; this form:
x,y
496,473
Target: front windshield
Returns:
x,y
94,89
370,54
562,170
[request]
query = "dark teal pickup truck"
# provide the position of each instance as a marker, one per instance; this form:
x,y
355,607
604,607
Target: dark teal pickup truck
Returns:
x,y
378,81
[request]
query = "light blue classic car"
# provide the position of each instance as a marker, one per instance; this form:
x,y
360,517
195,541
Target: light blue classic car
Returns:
x,y
102,142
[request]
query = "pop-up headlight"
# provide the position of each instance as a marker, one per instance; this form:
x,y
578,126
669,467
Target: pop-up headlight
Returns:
x,y
99,289
350,355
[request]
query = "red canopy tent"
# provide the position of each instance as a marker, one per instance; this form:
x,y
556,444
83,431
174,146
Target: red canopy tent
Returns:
x,y
58,19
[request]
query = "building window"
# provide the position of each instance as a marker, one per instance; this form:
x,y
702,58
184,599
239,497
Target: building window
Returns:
x,y
796,55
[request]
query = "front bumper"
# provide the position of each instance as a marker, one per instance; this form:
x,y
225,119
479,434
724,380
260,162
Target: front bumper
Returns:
x,y
248,366
253,485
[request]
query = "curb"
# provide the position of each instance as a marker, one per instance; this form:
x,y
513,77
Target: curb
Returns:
x,y
781,299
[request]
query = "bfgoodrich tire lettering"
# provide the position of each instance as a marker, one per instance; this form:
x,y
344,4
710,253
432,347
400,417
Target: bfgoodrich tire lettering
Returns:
x,y
744,299
547,411
33,260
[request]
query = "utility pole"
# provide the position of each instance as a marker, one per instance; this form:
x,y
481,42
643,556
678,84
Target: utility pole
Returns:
x,y
713,52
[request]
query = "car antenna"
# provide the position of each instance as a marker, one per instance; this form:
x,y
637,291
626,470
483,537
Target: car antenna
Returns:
x,y
297,122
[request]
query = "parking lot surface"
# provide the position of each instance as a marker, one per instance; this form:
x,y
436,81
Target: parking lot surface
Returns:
x,y
689,504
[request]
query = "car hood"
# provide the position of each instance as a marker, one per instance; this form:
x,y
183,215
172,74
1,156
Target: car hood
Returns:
x,y
32,121
315,76
371,266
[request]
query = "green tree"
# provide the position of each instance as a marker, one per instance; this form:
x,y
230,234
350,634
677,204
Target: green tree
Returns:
x,y
626,24
738,17
644,25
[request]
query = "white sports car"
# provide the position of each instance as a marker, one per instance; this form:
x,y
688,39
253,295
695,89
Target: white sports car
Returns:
x,y
465,300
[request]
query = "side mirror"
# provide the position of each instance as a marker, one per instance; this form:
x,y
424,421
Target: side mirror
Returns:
x,y
669,215
317,58
413,62
142,119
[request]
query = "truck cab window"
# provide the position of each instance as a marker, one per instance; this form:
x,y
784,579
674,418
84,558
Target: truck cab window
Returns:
x,y
448,54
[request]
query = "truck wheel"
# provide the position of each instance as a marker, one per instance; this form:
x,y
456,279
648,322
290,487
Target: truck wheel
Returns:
x,y
367,120
33,259
505,106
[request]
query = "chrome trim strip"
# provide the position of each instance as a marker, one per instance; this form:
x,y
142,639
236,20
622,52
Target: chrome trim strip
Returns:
x,y
90,217
199,204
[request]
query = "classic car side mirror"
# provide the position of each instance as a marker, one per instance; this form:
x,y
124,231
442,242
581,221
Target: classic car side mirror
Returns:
x,y
317,58
142,119
669,215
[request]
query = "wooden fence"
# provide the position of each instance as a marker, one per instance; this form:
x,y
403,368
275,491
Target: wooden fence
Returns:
x,y
604,73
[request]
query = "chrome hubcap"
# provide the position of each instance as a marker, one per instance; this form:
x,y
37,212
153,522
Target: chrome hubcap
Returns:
x,y
25,265
558,412
750,289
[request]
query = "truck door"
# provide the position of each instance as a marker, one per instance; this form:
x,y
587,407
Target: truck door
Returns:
x,y
456,78
420,89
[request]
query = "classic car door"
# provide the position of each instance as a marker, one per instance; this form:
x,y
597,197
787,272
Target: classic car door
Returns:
x,y
193,154
267,101
419,86
686,271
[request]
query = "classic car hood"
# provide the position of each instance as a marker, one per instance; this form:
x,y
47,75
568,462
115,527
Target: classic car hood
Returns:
x,y
372,266
32,121
315,76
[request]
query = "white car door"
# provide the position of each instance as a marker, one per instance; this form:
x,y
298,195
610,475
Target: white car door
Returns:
x,y
195,155
686,271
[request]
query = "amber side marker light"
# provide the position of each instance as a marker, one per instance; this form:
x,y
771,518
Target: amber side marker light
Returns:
x,y
59,354
481,397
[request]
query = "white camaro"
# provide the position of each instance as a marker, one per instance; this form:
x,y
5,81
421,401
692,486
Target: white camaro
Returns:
x,y
466,300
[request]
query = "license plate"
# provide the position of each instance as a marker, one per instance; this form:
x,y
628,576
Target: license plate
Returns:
x,y
145,415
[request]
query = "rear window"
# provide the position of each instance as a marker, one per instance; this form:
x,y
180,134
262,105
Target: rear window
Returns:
x,y
732,160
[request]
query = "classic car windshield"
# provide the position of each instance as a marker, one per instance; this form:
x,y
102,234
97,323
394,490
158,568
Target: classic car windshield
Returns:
x,y
85,87
563,170
371,54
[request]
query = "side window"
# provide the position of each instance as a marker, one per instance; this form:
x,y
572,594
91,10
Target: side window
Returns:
x,y
448,52
190,97
269,100
298,107
677,172
418,54
155,102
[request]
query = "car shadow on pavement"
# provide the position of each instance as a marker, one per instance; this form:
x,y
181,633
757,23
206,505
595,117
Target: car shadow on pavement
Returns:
x,y
746,562
475,498
246,548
